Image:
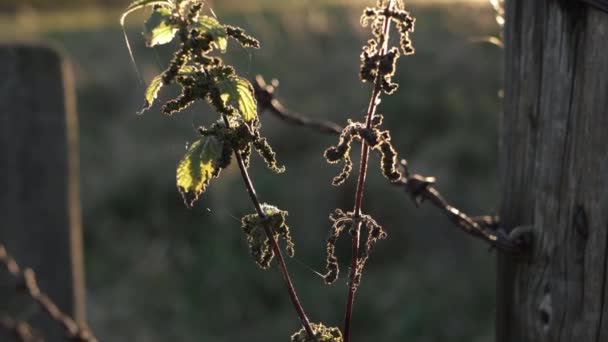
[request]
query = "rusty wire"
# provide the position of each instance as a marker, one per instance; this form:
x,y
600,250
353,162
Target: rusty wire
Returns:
x,y
26,282
267,102
21,330
418,187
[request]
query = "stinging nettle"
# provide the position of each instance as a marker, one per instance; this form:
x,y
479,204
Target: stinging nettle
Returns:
x,y
378,67
198,68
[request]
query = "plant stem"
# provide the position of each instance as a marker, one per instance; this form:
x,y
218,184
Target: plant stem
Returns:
x,y
273,242
371,111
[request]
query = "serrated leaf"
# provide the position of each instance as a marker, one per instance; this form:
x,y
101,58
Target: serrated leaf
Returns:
x,y
159,28
139,4
198,167
152,92
134,6
184,6
210,25
240,91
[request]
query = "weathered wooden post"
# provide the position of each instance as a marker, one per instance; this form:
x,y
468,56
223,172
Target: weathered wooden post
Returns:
x,y
554,155
39,199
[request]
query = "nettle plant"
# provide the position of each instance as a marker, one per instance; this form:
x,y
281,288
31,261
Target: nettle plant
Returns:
x,y
198,68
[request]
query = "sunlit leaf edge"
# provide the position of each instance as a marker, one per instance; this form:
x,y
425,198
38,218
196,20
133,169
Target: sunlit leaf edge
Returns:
x,y
217,31
198,167
134,6
158,30
152,93
239,90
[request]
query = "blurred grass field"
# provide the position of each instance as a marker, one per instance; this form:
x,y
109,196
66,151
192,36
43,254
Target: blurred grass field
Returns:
x,y
157,271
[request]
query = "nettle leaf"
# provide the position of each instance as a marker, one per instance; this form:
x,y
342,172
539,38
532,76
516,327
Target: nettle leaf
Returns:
x,y
217,31
139,4
160,28
240,91
134,6
198,167
184,6
152,92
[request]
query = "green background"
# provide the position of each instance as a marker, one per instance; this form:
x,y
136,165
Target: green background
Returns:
x,y
157,271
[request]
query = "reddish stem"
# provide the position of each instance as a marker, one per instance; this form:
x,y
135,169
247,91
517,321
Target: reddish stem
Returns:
x,y
273,242
371,111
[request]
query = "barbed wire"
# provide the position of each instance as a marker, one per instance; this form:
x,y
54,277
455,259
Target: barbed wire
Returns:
x,y
418,187
487,228
267,102
21,330
26,282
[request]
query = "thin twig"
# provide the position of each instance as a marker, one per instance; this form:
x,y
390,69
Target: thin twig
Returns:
x,y
371,111
21,330
273,242
26,282
267,101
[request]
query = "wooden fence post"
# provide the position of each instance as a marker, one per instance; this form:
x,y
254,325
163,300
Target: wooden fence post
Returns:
x,y
39,196
554,164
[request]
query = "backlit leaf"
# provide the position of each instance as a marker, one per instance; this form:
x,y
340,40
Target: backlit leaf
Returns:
x,y
139,4
198,167
217,31
152,92
240,91
134,6
159,28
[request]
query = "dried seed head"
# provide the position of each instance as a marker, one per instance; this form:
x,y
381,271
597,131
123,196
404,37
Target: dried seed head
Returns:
x,y
341,221
180,58
182,102
388,62
369,62
257,240
277,219
346,171
375,232
239,35
266,152
370,136
377,120
389,87
405,42
255,227
389,165
246,155
377,67
336,153
322,334
341,152
368,14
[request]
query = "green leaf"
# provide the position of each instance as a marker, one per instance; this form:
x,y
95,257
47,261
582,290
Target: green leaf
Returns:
x,y
134,6
184,6
210,25
240,91
159,28
139,4
198,167
152,92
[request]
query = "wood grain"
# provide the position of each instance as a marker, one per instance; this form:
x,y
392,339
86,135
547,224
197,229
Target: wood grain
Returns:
x,y
600,4
554,164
